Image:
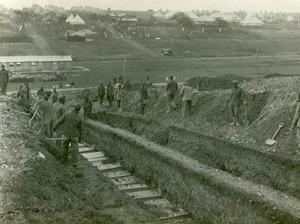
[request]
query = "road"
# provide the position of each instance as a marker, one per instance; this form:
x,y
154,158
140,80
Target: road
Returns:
x,y
39,40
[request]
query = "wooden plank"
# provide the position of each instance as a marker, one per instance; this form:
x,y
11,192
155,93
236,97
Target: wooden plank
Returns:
x,y
144,195
117,174
99,161
109,167
174,214
125,180
93,154
96,159
85,149
161,203
133,187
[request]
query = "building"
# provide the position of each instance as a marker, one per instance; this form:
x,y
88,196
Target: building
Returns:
x,y
37,63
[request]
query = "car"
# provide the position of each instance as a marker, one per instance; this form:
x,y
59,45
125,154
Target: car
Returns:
x,y
167,52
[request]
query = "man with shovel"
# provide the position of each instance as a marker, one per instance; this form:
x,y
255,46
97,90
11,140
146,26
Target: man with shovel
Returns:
x,y
236,99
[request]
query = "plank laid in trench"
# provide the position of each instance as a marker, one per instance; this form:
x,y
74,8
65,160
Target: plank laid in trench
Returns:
x,y
125,180
96,159
143,195
85,149
162,203
133,187
117,174
107,167
99,161
174,214
93,154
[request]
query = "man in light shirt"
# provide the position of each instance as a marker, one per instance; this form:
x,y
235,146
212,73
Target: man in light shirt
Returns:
x,y
187,95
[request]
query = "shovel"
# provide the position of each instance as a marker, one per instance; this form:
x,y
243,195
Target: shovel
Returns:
x,y
246,117
272,141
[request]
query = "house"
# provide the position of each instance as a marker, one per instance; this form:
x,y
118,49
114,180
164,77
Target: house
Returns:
x,y
251,21
36,63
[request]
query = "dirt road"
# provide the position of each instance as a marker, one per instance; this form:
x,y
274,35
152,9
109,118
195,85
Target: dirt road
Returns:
x,y
39,40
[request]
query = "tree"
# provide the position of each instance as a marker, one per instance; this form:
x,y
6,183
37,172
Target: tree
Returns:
x,y
23,16
222,23
182,19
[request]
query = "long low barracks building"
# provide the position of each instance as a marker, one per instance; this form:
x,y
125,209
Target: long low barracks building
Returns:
x,y
37,63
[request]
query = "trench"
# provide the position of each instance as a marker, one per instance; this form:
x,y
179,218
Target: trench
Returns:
x,y
248,163
210,195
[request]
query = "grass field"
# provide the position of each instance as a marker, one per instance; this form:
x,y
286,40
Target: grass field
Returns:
x,y
104,56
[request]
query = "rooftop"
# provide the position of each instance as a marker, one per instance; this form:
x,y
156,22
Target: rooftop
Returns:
x,y
39,58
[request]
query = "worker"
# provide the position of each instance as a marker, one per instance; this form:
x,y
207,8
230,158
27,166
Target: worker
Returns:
x,y
20,91
187,95
60,110
296,121
101,93
27,91
205,83
127,86
54,99
143,97
4,79
236,99
87,105
48,114
72,129
23,102
118,95
55,92
172,89
110,94
40,93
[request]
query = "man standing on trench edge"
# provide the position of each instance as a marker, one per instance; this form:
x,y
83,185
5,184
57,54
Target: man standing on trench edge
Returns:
x,y
4,79
72,130
172,89
236,99
143,97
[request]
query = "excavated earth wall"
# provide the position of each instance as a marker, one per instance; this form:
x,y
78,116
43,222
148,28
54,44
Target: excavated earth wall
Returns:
x,y
212,196
248,163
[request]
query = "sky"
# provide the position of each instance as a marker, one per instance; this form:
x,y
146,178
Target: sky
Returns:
x,y
172,5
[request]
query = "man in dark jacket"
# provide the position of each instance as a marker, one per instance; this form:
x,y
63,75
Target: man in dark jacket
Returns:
x,y
72,130
172,89
4,79
144,97
110,93
101,93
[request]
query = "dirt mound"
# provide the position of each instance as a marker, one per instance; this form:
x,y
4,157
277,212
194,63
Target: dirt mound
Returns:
x,y
36,188
220,82
274,96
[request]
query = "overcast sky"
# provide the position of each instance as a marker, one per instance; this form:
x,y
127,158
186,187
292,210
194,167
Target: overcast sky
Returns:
x,y
182,5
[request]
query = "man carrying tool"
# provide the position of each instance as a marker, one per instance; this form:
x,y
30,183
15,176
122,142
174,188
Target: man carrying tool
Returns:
x,y
296,121
23,101
187,95
4,79
48,114
101,93
87,105
172,89
236,99
60,110
143,96
110,93
72,130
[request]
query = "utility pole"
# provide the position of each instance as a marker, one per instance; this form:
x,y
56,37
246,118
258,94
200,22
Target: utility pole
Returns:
x,y
257,61
124,70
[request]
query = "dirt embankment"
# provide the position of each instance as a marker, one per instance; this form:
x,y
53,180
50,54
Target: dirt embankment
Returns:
x,y
36,188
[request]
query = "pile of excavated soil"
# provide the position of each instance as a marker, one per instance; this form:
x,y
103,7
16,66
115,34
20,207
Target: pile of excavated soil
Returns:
x,y
36,188
276,97
220,82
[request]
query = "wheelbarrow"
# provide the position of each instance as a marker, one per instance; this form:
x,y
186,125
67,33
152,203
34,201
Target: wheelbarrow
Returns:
x,y
272,141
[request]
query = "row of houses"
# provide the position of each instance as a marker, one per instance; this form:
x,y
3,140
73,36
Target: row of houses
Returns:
x,y
37,63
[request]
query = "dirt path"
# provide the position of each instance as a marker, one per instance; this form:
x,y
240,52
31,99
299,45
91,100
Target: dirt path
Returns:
x,y
39,40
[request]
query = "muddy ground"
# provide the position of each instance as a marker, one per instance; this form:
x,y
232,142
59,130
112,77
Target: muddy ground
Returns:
x,y
36,188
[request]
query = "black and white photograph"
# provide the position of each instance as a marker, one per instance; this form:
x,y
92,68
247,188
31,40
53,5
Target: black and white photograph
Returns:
x,y
149,112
